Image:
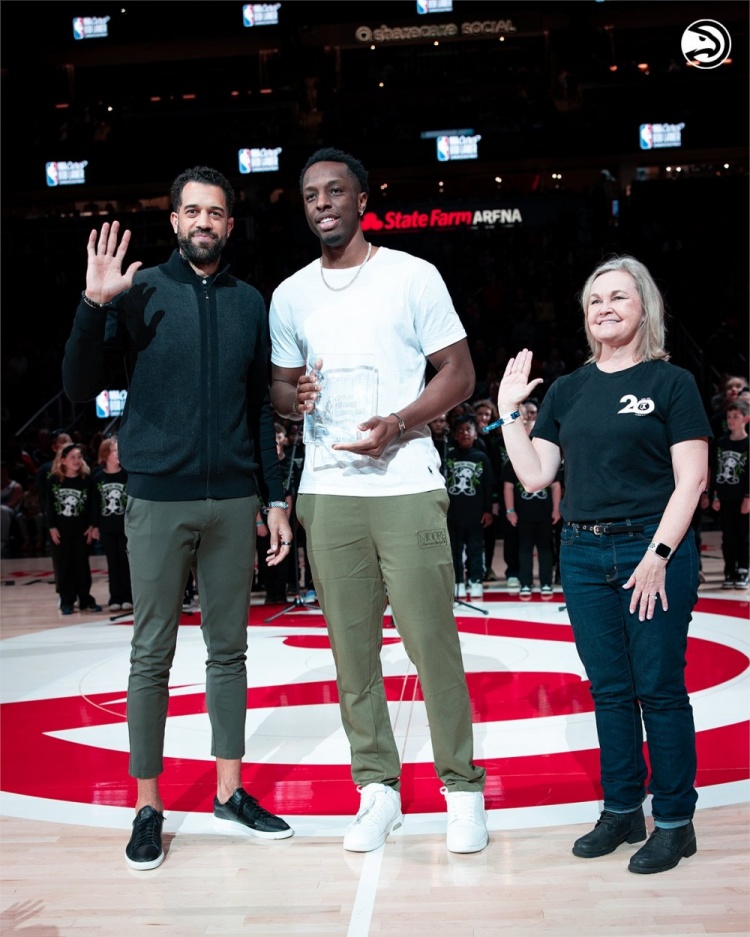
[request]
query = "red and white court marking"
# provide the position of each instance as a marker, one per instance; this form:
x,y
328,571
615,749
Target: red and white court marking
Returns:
x,y
64,736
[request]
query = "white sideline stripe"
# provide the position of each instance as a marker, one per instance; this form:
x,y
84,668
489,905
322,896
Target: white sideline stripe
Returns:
x,y
364,901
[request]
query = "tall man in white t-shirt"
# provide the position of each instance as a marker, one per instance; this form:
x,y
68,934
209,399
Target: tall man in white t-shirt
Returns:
x,y
351,334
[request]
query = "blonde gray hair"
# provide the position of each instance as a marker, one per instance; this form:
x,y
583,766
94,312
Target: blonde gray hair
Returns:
x,y
652,328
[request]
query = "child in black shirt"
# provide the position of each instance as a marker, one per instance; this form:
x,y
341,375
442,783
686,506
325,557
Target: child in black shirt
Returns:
x,y
69,508
469,480
731,496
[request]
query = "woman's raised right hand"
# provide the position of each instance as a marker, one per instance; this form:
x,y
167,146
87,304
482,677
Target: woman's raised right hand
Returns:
x,y
515,386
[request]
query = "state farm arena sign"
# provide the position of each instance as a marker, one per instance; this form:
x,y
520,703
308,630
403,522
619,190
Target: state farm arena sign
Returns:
x,y
417,220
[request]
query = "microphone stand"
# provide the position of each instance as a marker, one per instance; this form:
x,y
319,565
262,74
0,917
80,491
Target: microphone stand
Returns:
x,y
298,603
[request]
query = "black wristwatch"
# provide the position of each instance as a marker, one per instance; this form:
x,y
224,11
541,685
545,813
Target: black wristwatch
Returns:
x,y
660,549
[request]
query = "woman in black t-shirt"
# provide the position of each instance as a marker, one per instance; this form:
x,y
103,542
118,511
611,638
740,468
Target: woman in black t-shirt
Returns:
x,y
633,432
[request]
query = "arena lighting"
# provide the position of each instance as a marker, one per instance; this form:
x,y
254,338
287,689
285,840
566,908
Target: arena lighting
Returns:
x,y
61,107
189,97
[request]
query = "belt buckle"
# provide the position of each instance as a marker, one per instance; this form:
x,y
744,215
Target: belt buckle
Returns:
x,y
598,529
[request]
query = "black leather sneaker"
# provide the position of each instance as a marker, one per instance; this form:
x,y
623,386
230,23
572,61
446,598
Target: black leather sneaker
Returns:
x,y
664,850
242,812
611,830
144,851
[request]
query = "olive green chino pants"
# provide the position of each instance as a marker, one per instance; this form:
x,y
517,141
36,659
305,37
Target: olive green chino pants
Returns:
x,y
363,553
165,540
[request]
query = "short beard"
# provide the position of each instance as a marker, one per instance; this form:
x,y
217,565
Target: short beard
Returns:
x,y
200,256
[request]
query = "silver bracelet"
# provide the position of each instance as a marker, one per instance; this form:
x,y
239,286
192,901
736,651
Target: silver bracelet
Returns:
x,y
93,303
401,424
278,504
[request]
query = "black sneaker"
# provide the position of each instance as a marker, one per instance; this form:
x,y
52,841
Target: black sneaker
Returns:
x,y
244,810
144,850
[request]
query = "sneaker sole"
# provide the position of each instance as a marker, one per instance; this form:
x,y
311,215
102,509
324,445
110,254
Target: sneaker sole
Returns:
x,y
368,847
145,866
475,847
234,826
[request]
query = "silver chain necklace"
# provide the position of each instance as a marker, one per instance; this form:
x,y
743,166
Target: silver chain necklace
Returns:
x,y
338,289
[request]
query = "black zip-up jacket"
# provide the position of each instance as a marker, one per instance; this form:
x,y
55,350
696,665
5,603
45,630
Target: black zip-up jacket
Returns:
x,y
197,420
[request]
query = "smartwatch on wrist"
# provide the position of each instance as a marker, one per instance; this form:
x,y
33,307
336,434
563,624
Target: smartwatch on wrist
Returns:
x,y
660,549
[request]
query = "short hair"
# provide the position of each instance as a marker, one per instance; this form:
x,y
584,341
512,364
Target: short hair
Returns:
x,y
63,438
465,418
486,403
206,176
653,331
330,154
737,405
105,447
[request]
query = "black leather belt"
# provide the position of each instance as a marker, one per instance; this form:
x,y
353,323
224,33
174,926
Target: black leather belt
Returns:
x,y
607,527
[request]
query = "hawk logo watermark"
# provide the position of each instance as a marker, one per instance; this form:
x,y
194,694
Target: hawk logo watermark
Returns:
x,y
706,44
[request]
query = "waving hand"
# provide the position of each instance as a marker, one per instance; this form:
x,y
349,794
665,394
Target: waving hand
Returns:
x,y
104,276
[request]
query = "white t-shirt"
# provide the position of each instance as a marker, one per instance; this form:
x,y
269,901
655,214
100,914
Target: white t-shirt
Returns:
x,y
373,338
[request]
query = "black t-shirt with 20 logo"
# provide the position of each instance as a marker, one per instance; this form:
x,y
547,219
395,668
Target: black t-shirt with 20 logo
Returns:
x,y
615,432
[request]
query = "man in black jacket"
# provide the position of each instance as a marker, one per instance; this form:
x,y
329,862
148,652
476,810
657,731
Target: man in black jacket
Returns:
x,y
194,341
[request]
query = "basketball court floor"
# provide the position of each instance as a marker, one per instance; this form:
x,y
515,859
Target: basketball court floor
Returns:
x,y
66,798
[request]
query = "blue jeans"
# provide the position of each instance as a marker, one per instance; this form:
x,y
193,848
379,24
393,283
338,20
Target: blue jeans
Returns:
x,y
636,668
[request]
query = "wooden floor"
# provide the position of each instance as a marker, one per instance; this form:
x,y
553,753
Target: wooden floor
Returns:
x,y
63,880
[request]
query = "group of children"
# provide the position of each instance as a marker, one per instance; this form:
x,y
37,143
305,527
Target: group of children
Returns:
x,y
82,506
475,491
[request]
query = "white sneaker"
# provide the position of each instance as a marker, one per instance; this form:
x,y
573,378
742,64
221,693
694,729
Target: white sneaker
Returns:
x,y
476,590
513,582
460,590
379,814
467,822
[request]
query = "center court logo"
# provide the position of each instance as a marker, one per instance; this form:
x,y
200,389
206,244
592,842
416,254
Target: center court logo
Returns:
x,y
706,44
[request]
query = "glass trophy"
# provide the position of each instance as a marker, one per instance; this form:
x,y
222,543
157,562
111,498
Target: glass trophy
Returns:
x,y
348,396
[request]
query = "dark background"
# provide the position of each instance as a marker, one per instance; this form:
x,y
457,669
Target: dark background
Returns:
x,y
558,105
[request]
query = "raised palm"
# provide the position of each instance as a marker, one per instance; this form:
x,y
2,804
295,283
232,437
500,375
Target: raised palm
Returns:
x,y
104,276
515,386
